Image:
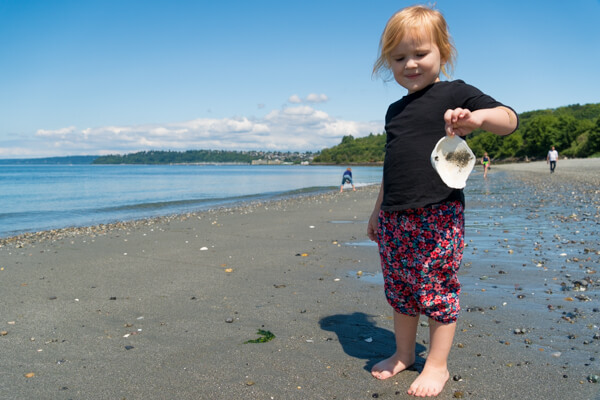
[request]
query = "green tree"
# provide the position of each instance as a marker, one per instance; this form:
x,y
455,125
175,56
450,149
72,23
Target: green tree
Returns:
x,y
593,140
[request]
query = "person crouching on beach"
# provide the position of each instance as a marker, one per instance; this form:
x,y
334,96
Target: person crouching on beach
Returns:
x,y
347,178
418,221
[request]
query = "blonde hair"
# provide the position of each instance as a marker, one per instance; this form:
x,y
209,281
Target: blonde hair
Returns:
x,y
416,22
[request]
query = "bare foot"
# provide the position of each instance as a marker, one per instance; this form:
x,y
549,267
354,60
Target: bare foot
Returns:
x,y
391,366
429,383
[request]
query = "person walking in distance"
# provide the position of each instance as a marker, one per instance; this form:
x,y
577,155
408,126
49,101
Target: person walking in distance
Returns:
x,y
552,158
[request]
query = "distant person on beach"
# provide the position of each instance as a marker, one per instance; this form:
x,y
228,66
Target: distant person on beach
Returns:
x,y
485,160
347,178
418,221
552,158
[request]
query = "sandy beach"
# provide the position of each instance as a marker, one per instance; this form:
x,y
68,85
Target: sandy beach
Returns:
x,y
162,308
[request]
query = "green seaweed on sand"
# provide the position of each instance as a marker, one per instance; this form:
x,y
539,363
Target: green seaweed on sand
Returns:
x,y
267,336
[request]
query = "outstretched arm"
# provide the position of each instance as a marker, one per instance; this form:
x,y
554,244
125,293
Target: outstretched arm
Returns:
x,y
499,120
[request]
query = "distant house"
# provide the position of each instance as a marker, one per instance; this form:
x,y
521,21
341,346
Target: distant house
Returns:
x,y
266,162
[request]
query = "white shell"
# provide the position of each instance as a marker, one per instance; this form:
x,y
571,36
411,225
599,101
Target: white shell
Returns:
x,y
453,160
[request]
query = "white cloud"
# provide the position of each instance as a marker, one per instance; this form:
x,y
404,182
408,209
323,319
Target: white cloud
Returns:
x,y
295,99
316,98
294,128
63,132
311,98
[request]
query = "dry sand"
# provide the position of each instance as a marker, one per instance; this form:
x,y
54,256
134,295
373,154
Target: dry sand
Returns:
x,y
161,310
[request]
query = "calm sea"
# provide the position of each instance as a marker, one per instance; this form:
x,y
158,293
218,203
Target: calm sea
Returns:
x,y
42,197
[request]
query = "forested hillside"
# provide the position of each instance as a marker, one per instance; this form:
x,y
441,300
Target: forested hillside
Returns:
x,y
574,131
202,156
175,157
368,149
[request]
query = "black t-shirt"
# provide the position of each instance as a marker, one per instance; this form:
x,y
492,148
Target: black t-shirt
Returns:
x,y
413,125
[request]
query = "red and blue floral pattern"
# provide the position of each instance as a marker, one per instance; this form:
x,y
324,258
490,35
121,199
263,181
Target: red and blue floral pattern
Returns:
x,y
421,250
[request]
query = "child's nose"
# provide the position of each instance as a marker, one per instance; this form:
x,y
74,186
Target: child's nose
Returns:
x,y
411,63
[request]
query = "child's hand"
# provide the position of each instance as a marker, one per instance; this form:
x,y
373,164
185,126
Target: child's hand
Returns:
x,y
372,226
461,122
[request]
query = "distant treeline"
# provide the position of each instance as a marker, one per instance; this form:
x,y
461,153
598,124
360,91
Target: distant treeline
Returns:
x,y
574,130
369,149
50,160
176,157
201,156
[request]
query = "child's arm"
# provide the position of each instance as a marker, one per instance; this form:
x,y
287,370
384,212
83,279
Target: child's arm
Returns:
x,y
372,225
499,120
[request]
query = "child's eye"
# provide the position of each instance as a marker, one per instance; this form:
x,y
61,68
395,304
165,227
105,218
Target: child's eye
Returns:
x,y
399,59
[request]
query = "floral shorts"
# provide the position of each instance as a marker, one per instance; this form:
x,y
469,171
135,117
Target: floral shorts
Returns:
x,y
421,250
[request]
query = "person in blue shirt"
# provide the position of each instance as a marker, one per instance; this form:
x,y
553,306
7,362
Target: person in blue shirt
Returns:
x,y
347,178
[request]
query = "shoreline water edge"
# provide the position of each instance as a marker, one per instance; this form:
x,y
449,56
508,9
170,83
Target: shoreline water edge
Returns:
x,y
169,307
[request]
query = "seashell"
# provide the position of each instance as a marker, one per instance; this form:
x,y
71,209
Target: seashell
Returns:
x,y
453,160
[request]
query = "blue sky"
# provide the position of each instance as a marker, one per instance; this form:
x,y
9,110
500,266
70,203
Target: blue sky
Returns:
x,y
119,76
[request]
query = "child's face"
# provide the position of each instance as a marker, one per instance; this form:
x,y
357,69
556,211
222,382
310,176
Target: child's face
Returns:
x,y
416,62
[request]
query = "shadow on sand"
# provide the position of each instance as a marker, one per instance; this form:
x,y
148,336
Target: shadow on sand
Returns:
x,y
355,331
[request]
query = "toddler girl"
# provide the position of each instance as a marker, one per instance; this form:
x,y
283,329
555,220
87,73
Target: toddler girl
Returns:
x,y
418,221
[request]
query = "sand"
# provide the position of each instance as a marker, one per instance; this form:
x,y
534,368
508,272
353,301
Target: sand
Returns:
x,y
160,309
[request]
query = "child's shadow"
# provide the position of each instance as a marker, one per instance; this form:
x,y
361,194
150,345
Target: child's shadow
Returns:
x,y
361,338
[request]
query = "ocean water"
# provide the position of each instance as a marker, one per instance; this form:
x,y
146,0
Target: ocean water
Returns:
x,y
42,197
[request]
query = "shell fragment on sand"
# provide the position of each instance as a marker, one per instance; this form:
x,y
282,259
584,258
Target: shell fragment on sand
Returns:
x,y
453,160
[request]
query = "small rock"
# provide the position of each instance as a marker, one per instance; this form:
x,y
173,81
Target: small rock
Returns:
x,y
229,320
458,394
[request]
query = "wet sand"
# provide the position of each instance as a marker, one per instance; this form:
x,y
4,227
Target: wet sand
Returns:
x,y
161,309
